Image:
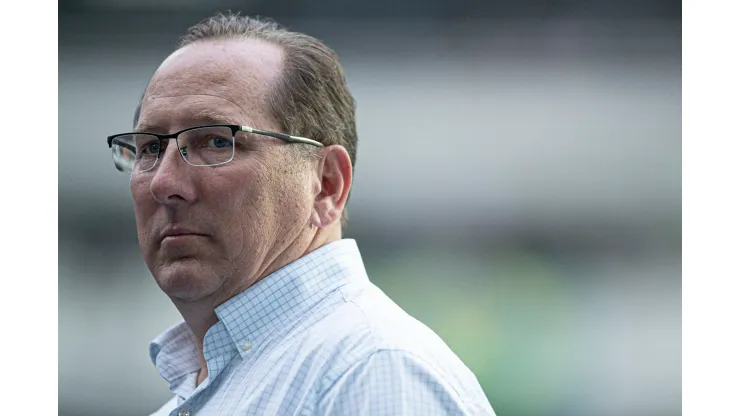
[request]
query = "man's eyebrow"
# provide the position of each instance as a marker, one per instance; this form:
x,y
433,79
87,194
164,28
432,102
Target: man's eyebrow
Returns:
x,y
148,128
214,117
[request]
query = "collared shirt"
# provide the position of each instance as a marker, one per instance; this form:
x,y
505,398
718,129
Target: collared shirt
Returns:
x,y
316,338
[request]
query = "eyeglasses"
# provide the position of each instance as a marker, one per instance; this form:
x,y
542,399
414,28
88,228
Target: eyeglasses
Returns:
x,y
209,145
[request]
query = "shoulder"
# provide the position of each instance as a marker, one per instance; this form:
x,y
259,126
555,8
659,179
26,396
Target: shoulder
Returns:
x,y
365,321
368,321
398,382
371,344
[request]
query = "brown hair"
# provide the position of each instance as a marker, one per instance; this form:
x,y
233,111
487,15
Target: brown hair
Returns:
x,y
310,97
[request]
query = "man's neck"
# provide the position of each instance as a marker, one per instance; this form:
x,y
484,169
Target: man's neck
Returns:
x,y
201,315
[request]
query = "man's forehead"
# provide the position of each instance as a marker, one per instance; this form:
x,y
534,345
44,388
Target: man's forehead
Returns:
x,y
203,80
227,64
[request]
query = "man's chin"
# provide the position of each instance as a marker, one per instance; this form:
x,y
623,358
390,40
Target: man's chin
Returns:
x,y
187,279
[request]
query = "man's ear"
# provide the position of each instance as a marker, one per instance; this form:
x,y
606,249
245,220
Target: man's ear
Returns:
x,y
332,189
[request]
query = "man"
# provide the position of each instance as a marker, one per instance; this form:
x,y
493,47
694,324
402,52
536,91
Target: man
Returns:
x,y
241,167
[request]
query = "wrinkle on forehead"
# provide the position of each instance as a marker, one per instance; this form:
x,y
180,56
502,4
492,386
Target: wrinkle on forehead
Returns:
x,y
203,111
169,113
196,113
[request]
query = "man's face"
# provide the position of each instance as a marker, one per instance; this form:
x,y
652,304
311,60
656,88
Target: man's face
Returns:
x,y
233,219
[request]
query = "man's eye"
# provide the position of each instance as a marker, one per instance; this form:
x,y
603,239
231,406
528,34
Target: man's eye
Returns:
x,y
153,147
218,142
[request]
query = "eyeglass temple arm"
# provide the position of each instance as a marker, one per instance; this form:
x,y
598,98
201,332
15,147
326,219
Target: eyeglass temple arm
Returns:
x,y
282,136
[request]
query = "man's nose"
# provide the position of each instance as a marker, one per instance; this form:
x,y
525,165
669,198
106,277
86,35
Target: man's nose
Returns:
x,y
172,183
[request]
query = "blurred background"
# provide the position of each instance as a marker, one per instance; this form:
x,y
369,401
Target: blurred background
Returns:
x,y
518,189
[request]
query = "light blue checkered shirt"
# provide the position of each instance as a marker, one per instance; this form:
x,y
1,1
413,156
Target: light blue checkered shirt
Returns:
x,y
316,338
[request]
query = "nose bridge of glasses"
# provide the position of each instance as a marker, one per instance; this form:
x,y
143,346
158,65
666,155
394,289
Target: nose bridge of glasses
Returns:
x,y
171,149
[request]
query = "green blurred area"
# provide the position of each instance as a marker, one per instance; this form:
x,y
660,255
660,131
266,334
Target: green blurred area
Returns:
x,y
506,316
515,318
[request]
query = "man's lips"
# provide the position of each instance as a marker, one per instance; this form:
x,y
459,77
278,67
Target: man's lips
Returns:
x,y
179,232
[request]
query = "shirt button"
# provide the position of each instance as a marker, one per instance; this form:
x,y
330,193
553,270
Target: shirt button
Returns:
x,y
184,412
246,346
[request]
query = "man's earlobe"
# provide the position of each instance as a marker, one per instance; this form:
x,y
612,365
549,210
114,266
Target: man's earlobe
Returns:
x,y
315,219
324,214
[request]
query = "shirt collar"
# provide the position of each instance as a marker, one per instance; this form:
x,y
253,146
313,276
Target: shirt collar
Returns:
x,y
250,317
175,355
287,294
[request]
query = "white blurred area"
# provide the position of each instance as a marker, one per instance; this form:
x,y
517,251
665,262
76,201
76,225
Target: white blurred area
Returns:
x,y
518,189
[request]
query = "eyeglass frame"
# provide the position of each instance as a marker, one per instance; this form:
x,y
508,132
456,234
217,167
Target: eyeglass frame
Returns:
x,y
234,129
